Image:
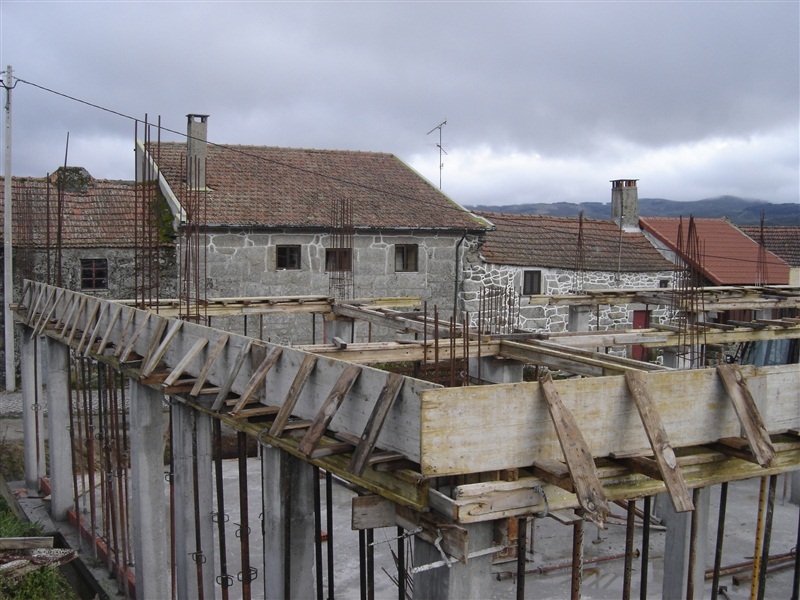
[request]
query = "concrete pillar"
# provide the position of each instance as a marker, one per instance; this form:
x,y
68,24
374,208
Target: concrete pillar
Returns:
x,y
579,318
149,501
794,490
340,327
59,435
493,369
460,581
676,545
191,440
32,413
288,519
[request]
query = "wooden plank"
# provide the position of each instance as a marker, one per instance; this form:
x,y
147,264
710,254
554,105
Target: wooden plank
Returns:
x,y
184,362
335,448
72,305
155,339
259,411
294,392
46,319
372,512
50,294
659,441
748,413
88,328
329,408
32,312
555,472
120,344
578,456
76,319
376,420
153,360
232,374
25,543
106,308
136,333
257,378
106,337
201,378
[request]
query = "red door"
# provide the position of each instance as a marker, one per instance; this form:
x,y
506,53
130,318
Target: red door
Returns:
x,y
641,320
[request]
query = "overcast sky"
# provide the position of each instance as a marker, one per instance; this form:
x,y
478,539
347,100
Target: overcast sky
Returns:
x,y
544,101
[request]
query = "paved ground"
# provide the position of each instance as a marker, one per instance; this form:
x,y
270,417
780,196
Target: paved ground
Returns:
x,y
551,541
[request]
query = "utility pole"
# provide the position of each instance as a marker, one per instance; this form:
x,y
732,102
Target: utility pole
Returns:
x,y
8,264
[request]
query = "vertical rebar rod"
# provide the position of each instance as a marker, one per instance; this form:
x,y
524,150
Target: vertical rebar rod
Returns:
x,y
693,530
171,480
329,520
645,557
723,506
762,498
73,441
362,566
224,578
522,528
317,531
762,581
89,419
370,538
244,516
198,542
577,558
121,493
796,580
629,529
401,563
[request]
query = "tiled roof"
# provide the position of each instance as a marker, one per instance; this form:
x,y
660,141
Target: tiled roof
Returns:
x,y
782,241
100,216
729,256
541,241
260,186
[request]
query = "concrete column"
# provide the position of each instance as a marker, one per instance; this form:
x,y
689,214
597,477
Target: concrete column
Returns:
x,y
149,502
191,440
59,435
340,327
794,490
460,581
32,415
495,370
288,525
676,545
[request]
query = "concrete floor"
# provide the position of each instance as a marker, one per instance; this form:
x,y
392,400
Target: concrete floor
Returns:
x,y
551,543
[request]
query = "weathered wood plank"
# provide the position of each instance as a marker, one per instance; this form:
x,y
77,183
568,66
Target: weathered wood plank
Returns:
x,y
105,309
155,339
88,328
136,333
376,420
184,362
106,337
371,512
232,374
291,397
76,319
25,543
201,378
329,408
257,379
578,456
659,441
258,411
46,318
748,413
153,360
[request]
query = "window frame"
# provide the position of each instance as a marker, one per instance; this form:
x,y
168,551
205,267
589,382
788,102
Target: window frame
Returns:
x,y
408,253
289,250
338,260
94,274
531,282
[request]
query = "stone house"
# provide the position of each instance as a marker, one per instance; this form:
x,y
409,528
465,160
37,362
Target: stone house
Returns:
x,y
92,248
782,241
293,222
529,257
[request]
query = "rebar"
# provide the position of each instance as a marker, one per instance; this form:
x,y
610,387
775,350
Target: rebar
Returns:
x,y
629,529
723,506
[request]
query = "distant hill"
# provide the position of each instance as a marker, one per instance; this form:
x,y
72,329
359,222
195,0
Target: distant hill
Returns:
x,y
739,210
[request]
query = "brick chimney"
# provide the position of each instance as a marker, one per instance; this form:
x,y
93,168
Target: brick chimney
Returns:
x,y
625,203
196,150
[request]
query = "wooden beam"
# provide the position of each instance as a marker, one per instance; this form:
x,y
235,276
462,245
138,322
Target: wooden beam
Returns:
x,y
225,388
659,442
153,360
184,362
291,397
136,333
203,376
578,456
257,379
329,408
106,337
376,419
748,413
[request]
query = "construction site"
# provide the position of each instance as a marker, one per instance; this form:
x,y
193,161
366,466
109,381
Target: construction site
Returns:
x,y
409,450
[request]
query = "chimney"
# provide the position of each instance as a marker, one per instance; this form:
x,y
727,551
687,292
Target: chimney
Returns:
x,y
196,150
625,203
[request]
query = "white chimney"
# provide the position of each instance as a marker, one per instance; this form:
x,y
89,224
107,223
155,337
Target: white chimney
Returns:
x,y
625,203
196,151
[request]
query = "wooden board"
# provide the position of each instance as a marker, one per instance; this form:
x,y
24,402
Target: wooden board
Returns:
x,y
469,429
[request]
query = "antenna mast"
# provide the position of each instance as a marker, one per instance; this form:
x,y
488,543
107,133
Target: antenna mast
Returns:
x,y
441,149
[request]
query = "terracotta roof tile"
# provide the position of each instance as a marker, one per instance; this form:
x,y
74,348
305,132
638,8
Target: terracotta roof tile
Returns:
x,y
103,215
782,241
261,186
543,241
729,256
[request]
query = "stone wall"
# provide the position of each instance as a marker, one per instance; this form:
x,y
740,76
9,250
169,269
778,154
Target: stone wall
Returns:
x,y
242,263
533,316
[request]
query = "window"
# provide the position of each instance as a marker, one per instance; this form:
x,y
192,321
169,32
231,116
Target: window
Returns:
x,y
663,283
94,274
338,259
531,283
405,257
287,257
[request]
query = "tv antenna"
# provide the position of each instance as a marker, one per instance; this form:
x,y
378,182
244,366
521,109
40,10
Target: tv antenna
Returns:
x,y
441,150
